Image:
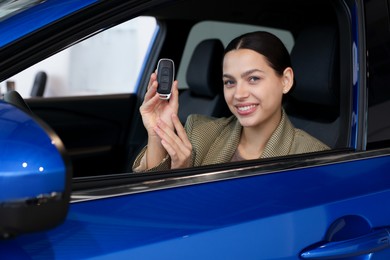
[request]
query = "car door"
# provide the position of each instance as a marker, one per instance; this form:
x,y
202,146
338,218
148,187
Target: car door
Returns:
x,y
314,210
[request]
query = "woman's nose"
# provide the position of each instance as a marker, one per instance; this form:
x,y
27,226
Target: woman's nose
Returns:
x,y
241,91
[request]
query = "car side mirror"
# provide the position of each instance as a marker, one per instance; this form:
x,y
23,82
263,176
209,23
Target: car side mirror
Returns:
x,y
35,174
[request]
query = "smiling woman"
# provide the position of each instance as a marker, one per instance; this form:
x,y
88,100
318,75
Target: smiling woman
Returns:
x,y
256,73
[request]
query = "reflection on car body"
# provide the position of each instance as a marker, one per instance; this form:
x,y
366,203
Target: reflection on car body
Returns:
x,y
11,7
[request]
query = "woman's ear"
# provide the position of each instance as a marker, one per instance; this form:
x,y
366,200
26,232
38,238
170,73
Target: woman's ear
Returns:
x,y
287,79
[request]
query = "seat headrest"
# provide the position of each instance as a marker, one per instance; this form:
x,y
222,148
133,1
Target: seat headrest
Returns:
x,y
204,73
314,59
39,84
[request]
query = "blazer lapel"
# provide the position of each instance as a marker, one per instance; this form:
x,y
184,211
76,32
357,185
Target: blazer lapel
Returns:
x,y
281,139
225,145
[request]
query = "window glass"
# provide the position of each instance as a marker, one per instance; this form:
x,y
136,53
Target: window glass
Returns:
x,y
378,44
107,63
225,32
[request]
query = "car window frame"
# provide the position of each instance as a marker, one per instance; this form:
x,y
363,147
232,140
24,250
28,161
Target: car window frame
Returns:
x,y
149,67
136,180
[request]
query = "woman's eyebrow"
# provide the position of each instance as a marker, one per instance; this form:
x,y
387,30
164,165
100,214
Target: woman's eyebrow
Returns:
x,y
244,74
247,73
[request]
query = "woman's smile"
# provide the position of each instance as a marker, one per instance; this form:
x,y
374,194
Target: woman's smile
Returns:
x,y
246,109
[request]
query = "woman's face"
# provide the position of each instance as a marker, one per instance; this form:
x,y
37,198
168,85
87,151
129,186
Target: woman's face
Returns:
x,y
253,91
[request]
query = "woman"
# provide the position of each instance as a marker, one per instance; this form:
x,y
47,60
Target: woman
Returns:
x,y
256,74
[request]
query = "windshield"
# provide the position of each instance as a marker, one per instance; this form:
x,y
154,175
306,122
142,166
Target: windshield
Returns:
x,y
11,7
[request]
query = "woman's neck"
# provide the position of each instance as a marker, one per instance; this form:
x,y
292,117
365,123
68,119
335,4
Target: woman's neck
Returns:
x,y
254,139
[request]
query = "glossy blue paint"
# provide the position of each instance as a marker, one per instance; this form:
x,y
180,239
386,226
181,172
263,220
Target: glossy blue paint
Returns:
x,y
271,216
38,16
30,162
372,242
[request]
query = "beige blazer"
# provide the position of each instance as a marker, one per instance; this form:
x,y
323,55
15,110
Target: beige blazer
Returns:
x,y
216,140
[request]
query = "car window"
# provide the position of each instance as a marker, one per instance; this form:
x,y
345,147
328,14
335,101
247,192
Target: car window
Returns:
x,y
84,69
378,42
225,32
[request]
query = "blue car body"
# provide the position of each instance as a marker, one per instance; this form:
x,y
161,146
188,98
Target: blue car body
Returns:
x,y
27,155
36,17
238,218
332,205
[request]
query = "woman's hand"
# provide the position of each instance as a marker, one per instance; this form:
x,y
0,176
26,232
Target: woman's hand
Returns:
x,y
176,144
153,108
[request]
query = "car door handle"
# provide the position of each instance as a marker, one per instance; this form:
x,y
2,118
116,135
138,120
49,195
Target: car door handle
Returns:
x,y
375,241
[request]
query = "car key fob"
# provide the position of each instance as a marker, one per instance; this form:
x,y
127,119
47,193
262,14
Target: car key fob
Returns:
x,y
165,77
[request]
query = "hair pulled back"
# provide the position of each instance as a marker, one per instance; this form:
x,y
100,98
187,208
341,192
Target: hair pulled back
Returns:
x,y
266,44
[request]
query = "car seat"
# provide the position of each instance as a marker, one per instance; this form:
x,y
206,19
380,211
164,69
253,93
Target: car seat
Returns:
x,y
39,84
204,78
314,104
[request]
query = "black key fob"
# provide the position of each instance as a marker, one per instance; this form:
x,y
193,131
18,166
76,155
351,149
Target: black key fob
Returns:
x,y
165,77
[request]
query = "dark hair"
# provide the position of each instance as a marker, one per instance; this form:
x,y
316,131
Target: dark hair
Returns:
x,y
267,44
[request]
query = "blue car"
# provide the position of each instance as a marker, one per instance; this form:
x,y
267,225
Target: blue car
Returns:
x,y
73,74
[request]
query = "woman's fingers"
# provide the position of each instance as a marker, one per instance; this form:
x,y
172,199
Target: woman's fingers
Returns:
x,y
181,132
174,100
151,99
179,159
152,87
166,133
179,138
177,146
150,104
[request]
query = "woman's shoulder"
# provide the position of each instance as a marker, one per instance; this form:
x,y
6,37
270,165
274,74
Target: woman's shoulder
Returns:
x,y
308,142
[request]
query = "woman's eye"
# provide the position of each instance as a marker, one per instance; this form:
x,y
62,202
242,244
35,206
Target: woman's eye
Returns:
x,y
254,79
228,83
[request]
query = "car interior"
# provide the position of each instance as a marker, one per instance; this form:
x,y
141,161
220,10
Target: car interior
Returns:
x,y
39,84
319,103
314,103
205,93
103,134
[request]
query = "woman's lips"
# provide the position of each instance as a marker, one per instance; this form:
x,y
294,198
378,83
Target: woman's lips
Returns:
x,y
246,109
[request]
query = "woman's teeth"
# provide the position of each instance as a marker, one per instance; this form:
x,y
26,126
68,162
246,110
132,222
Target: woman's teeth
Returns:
x,y
245,108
